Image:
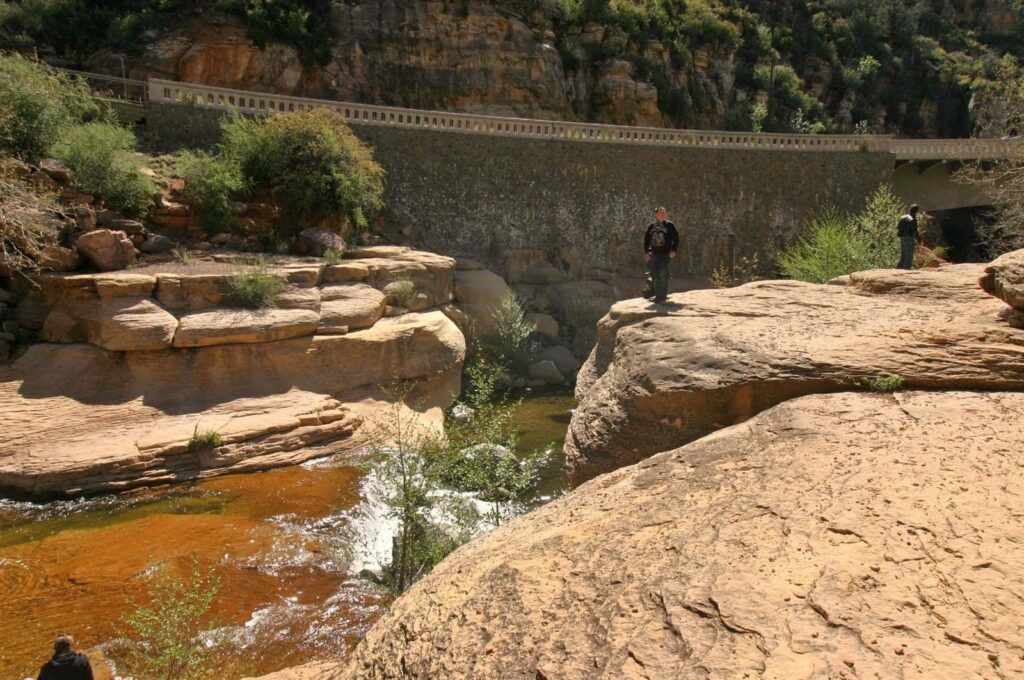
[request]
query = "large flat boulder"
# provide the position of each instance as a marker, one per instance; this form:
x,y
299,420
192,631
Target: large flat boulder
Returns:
x,y
79,419
106,249
233,326
431,274
119,324
833,536
664,375
348,307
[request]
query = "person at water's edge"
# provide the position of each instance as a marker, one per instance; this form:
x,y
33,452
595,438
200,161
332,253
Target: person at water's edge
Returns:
x,y
907,232
66,664
661,241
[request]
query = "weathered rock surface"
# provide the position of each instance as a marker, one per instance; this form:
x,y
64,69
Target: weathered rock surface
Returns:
x,y
350,307
78,419
231,326
313,671
106,250
478,293
833,536
1004,278
317,241
662,376
431,274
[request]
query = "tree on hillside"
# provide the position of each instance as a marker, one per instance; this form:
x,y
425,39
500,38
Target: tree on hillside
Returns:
x,y
1003,180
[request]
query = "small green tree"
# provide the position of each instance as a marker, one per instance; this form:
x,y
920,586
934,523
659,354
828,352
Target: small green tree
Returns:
x,y
478,455
512,341
162,640
403,473
36,102
211,181
836,243
310,163
102,160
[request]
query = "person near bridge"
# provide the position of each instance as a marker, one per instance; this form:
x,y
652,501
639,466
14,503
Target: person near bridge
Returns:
x,y
661,242
66,663
909,237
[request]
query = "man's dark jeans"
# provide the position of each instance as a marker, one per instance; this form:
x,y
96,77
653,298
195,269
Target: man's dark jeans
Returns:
x,y
657,266
906,253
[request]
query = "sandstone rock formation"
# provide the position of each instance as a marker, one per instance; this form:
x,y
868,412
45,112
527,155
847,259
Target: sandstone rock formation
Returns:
x,y
78,419
106,250
833,536
478,292
134,362
1004,278
662,376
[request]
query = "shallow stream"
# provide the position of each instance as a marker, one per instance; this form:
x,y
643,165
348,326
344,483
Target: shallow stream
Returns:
x,y
278,537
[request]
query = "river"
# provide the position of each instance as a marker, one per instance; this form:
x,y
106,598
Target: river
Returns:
x,y
277,539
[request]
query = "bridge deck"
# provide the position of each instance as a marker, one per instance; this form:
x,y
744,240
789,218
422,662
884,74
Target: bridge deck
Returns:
x,y
206,96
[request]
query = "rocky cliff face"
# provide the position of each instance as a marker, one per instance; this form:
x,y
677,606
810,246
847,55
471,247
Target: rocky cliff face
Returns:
x,y
523,59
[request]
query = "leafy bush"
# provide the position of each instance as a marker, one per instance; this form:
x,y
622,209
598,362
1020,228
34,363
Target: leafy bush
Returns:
x,y
210,183
102,161
747,269
37,101
254,287
332,256
512,342
163,638
310,163
400,292
204,440
884,383
835,243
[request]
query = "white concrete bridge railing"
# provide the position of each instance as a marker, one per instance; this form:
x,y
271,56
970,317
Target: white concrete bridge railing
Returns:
x,y
364,114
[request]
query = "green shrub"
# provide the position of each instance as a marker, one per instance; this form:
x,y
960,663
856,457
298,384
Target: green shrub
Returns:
x,y
400,292
37,101
255,288
512,343
884,383
303,24
102,161
204,440
164,637
332,257
210,183
835,243
310,164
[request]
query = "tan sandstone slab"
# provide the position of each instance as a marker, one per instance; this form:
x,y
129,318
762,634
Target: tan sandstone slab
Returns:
x,y
833,536
77,419
1004,278
664,375
348,307
233,326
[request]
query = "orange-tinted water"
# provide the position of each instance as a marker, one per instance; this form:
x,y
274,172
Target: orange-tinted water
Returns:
x,y
278,538
274,536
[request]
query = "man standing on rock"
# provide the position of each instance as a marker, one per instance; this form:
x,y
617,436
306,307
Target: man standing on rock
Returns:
x,y
907,231
661,241
66,664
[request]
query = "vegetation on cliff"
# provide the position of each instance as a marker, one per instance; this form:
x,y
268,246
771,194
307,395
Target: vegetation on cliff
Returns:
x,y
831,65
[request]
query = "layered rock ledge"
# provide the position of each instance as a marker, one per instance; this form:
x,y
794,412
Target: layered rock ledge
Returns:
x,y
843,536
662,376
139,361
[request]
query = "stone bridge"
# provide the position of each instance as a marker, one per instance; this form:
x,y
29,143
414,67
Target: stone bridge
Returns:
x,y
513,191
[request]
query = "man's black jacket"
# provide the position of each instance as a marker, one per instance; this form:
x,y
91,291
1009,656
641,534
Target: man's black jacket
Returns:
x,y
67,666
671,238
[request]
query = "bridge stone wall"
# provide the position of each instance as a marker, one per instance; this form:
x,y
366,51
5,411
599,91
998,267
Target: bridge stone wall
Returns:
x,y
583,206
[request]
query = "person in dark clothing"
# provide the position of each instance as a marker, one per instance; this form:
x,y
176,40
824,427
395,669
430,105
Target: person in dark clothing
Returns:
x,y
66,664
661,242
907,232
